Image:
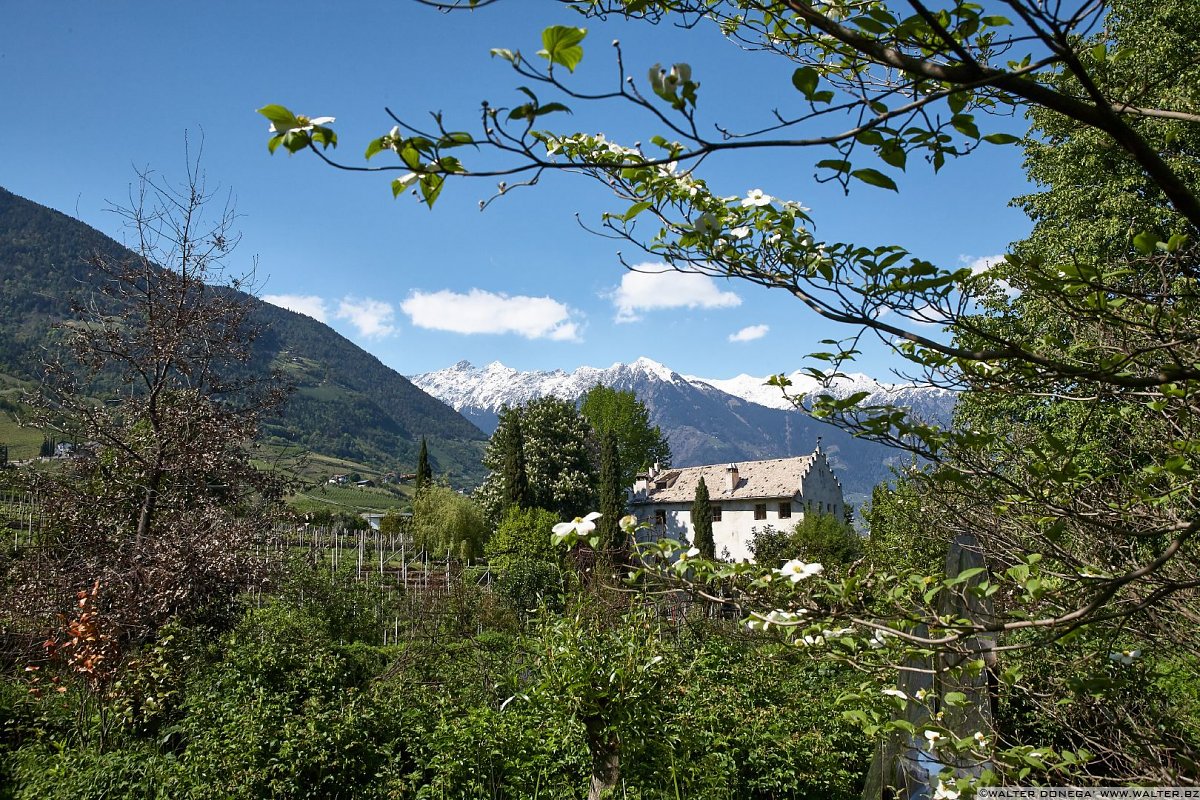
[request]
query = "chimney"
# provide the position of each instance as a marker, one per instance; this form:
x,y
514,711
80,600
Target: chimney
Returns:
x,y
731,477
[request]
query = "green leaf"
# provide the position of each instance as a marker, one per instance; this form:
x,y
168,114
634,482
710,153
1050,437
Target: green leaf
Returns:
x,y
875,178
550,108
410,156
431,187
402,183
1100,52
280,117
805,79
871,26
376,146
324,136
456,139
522,112
507,55
1001,138
295,141
636,209
893,154
1145,242
965,124
561,43
1019,573
834,164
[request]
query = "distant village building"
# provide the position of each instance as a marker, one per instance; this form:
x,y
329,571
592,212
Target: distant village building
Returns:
x,y
744,496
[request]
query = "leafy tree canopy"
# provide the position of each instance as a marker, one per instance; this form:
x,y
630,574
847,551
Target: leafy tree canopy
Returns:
x,y
639,444
445,521
560,455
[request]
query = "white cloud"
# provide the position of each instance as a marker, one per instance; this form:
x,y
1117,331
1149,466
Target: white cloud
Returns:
x,y
372,318
982,263
750,333
656,286
480,311
308,304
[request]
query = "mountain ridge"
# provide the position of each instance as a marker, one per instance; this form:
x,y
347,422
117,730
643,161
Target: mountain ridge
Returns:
x,y
347,403
705,423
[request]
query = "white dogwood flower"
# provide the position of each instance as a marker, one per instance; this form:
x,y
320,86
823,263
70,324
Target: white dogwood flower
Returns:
x,y
756,198
1125,657
797,570
304,123
580,527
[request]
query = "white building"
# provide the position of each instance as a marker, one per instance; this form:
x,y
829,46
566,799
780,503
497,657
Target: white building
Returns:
x,y
744,496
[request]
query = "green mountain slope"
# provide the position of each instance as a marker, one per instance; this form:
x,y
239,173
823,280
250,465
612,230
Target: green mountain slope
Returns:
x,y
347,403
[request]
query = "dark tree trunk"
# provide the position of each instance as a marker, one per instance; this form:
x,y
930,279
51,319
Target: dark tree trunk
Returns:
x,y
606,758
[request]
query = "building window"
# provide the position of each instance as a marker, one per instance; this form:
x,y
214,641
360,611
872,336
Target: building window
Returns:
x,y
760,510
716,512
660,517
785,509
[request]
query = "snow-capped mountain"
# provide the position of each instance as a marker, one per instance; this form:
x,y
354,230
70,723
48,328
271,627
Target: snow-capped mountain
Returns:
x,y
931,404
480,393
706,420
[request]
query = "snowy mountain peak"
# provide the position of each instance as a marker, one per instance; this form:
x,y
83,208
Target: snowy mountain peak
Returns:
x,y
485,391
651,367
706,420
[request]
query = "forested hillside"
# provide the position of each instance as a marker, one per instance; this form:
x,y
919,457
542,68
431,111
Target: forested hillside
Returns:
x,y
347,403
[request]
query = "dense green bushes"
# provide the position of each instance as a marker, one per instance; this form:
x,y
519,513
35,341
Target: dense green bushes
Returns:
x,y
287,705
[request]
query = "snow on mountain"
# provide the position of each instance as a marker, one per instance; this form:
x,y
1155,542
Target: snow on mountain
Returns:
x,y
480,393
933,404
483,392
755,390
706,421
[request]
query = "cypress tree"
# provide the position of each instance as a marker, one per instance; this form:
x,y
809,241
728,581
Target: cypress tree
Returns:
x,y
424,473
515,477
702,523
611,492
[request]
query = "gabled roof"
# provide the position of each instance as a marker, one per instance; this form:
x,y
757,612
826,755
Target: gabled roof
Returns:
x,y
779,477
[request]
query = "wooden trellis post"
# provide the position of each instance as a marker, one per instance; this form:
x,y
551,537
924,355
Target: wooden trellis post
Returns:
x,y
903,767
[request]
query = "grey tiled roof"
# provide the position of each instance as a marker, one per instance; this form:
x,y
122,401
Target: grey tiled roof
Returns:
x,y
779,477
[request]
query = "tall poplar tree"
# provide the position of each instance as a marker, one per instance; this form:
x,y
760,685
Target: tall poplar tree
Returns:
x,y
515,477
702,522
611,492
424,473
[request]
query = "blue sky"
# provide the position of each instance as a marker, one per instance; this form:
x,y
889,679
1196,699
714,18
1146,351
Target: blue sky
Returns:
x,y
94,91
